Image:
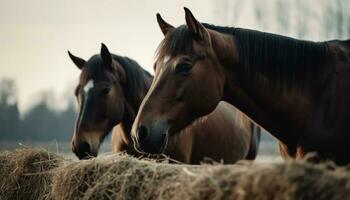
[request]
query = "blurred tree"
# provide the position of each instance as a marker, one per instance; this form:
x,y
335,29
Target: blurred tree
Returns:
x,y
303,18
348,26
42,122
260,12
328,19
228,11
337,19
9,114
67,120
283,13
8,92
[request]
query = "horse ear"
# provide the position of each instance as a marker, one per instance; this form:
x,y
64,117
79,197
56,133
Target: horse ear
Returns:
x,y
79,62
195,26
164,26
106,56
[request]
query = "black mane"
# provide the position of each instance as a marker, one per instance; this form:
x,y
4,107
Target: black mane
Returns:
x,y
283,60
136,77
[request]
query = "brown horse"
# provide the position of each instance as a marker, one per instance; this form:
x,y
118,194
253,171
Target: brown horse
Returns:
x,y
297,90
110,92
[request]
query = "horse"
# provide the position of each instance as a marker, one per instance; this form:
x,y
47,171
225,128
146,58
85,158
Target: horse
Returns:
x,y
298,90
109,93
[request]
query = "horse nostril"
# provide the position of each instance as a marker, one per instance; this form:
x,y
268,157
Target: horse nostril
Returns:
x,y
85,147
142,132
83,150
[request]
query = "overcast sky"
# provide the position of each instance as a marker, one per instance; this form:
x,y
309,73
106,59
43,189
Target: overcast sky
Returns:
x,y
36,34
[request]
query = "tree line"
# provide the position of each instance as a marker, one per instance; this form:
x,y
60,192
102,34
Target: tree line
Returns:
x,y
323,19
40,122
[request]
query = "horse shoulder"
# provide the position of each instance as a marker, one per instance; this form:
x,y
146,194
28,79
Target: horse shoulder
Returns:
x,y
234,121
225,131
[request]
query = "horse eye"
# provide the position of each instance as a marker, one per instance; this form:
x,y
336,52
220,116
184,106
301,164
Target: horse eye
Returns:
x,y
105,91
183,68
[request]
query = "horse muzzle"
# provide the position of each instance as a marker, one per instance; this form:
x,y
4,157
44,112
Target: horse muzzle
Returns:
x,y
83,150
151,139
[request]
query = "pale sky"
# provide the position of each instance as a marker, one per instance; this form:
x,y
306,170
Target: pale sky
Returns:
x,y
36,34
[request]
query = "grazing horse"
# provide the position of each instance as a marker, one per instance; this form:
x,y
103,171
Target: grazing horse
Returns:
x,y
109,93
297,90
110,90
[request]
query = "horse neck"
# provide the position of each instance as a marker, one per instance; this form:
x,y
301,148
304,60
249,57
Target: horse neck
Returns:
x,y
275,110
132,104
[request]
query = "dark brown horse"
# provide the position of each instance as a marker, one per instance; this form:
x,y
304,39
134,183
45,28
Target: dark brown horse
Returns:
x,y
109,90
297,90
109,94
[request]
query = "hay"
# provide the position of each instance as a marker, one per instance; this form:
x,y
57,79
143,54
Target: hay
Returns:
x,y
24,173
124,177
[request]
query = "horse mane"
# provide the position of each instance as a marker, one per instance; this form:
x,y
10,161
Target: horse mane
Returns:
x,y
347,42
283,60
136,77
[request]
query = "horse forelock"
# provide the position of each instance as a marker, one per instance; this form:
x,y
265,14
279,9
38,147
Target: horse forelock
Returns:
x,y
94,70
177,42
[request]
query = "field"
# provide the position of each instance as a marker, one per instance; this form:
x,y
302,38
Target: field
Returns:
x,y
28,173
268,150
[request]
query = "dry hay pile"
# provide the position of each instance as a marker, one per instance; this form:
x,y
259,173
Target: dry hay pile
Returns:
x,y
25,173
124,177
